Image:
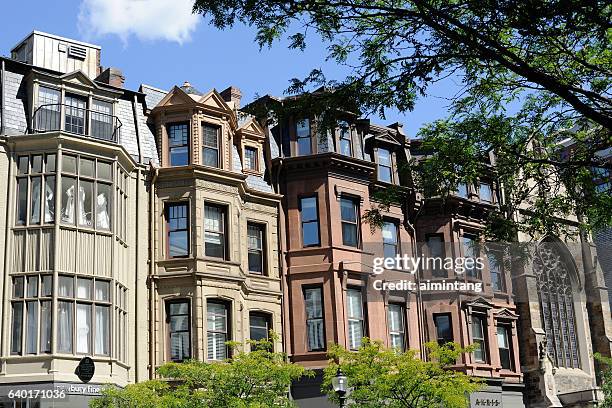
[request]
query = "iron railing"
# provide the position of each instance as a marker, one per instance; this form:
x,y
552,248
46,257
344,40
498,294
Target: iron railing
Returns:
x,y
80,121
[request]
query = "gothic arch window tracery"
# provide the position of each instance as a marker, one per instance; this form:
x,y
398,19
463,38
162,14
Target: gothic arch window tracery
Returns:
x,y
557,305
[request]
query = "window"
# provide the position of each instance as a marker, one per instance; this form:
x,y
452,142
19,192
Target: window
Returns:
x,y
302,131
102,120
30,306
250,158
256,245
390,239
178,142
504,346
309,214
471,252
86,189
346,147
479,326
444,328
83,309
214,231
217,320
48,111
396,327
122,332
486,194
496,268
315,329
354,306
177,227
435,249
179,330
210,148
35,189
260,326
74,117
385,167
462,190
557,305
349,210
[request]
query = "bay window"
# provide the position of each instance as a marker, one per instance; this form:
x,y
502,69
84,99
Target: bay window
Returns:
x,y
210,149
479,326
35,189
303,137
86,190
395,316
315,329
177,229
309,215
179,329
214,231
354,305
349,214
178,142
256,247
217,329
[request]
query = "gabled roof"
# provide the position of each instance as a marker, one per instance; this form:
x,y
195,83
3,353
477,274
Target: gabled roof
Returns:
x,y
252,128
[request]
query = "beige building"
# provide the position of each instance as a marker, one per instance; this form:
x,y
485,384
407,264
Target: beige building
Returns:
x,y
214,230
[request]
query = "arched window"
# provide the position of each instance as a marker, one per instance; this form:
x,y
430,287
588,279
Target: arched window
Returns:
x,y
557,305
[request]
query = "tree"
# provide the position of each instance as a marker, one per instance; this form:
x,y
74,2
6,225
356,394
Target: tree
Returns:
x,y
388,378
256,379
606,379
533,73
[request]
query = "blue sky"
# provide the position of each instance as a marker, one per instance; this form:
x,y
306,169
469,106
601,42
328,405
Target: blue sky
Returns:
x,y
162,45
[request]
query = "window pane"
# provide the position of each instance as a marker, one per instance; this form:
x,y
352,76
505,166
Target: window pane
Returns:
x,y
250,158
462,190
102,330
255,247
48,114
35,200
179,346
303,128
384,174
485,192
85,203
178,238
83,327
179,308
16,328
349,234
49,199
23,166
178,136
47,285
384,157
66,286
310,233
68,197
443,328
217,331
102,120
105,171
50,165
210,136
355,318
259,327
314,319
348,210
69,164
22,200
309,209
179,243
64,330
87,167
102,290
214,239
75,114
32,286
18,287
31,327
37,164
103,207
211,157
304,146
83,288
45,327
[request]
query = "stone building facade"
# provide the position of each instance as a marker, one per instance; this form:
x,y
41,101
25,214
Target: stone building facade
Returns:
x,y
144,226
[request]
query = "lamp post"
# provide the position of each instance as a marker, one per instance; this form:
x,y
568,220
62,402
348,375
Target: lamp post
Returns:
x,y
340,385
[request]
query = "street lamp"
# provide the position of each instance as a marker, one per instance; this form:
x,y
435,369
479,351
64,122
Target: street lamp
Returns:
x,y
340,384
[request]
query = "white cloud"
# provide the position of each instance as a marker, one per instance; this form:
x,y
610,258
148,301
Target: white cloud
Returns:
x,y
170,20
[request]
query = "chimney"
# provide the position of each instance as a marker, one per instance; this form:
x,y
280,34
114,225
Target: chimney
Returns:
x,y
232,94
112,76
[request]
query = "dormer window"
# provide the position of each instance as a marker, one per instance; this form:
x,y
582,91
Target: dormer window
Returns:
x,y
302,131
250,158
346,147
210,148
385,166
178,138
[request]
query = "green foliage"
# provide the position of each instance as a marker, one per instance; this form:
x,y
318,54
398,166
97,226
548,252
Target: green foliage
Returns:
x,y
380,377
606,379
532,74
256,379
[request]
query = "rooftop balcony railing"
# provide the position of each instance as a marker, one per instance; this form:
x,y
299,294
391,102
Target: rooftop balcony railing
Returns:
x,y
80,121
